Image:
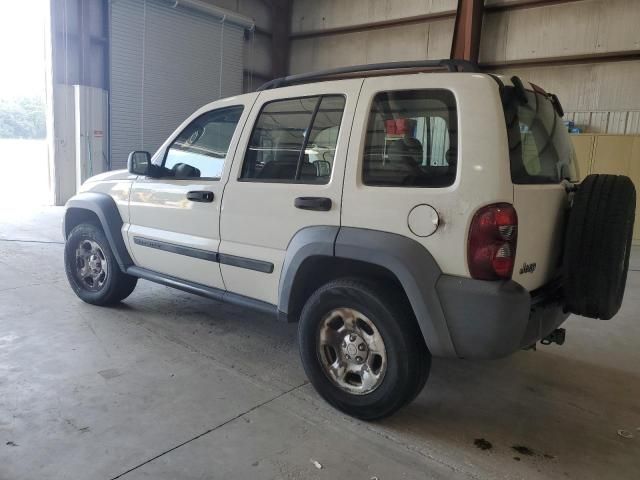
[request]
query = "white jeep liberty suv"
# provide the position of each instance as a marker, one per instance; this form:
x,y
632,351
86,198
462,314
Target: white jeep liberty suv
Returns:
x,y
396,212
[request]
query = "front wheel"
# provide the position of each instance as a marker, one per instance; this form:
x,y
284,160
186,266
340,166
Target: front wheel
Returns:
x,y
361,348
92,270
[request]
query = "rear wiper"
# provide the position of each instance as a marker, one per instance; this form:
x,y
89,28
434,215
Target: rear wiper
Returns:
x,y
557,106
520,90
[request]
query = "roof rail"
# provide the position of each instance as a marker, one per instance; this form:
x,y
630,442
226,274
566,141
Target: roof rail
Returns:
x,y
450,65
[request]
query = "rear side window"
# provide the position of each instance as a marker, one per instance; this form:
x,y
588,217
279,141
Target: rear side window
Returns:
x,y
411,139
540,149
294,140
201,148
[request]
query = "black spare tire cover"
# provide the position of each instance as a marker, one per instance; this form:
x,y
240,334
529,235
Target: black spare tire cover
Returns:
x,y
598,244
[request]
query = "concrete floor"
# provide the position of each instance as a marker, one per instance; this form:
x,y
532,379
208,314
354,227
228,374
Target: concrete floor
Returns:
x,y
172,386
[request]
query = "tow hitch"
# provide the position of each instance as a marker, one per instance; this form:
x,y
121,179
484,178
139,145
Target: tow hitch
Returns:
x,y
557,336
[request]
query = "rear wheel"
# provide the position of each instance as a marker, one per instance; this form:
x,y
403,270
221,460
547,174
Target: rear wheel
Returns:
x,y
92,270
598,244
361,348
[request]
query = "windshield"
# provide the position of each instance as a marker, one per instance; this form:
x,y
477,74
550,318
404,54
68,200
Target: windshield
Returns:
x,y
540,148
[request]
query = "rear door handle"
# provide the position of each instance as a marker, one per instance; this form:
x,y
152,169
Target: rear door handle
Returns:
x,y
200,196
321,204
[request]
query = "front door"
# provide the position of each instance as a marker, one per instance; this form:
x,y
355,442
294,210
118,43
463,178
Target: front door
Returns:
x,y
287,175
175,214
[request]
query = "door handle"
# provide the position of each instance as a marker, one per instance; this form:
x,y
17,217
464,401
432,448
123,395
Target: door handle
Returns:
x,y
200,196
321,204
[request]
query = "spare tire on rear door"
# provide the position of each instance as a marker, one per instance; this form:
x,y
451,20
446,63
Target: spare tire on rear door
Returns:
x,y
597,245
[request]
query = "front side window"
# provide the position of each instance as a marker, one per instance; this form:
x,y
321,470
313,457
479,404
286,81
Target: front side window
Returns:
x,y
201,149
411,139
540,148
294,140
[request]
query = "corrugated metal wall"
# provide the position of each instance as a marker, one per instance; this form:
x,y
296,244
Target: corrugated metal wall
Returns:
x,y
165,63
613,122
598,39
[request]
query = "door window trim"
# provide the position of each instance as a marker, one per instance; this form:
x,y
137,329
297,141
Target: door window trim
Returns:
x,y
173,140
451,127
294,181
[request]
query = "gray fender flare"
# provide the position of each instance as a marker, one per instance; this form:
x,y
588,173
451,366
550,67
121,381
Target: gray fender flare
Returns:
x,y
307,242
105,208
409,261
415,269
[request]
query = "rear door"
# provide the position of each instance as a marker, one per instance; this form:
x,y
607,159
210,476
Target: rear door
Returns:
x,y
542,162
287,175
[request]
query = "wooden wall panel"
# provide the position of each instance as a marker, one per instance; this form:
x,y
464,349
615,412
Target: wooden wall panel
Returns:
x,y
584,152
612,154
634,173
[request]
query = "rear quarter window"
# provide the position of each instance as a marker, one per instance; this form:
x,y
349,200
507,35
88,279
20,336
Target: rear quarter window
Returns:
x,y
411,139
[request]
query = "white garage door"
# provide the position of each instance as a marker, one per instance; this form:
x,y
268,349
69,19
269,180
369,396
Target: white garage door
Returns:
x,y
165,63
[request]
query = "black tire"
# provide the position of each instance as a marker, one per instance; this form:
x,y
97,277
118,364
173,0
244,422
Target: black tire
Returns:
x,y
598,244
115,287
408,360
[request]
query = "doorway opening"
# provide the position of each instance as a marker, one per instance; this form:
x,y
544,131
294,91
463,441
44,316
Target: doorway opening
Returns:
x,y
24,157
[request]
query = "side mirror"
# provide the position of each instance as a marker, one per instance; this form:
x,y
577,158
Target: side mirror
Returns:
x,y
139,163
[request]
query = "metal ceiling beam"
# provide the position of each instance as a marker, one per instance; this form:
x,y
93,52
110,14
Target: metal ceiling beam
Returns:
x,y
424,18
467,30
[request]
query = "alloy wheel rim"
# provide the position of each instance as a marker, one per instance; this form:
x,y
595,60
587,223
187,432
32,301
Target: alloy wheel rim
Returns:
x,y
351,351
92,268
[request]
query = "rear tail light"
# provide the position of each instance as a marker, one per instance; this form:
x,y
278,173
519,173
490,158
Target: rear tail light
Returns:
x,y
492,242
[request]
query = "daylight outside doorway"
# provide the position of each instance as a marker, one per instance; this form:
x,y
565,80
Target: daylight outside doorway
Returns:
x,y
24,167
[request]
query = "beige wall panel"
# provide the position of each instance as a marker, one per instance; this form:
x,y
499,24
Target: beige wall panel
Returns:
x,y
584,151
612,154
440,38
318,53
495,3
408,42
493,42
311,15
618,25
400,43
580,28
539,32
602,87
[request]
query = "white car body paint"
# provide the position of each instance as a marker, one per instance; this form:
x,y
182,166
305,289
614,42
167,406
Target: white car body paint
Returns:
x,y
256,220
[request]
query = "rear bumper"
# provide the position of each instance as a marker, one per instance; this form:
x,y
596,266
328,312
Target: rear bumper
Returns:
x,y
494,319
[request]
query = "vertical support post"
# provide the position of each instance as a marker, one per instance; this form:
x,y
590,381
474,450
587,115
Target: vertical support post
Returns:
x,y
84,42
467,30
280,31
